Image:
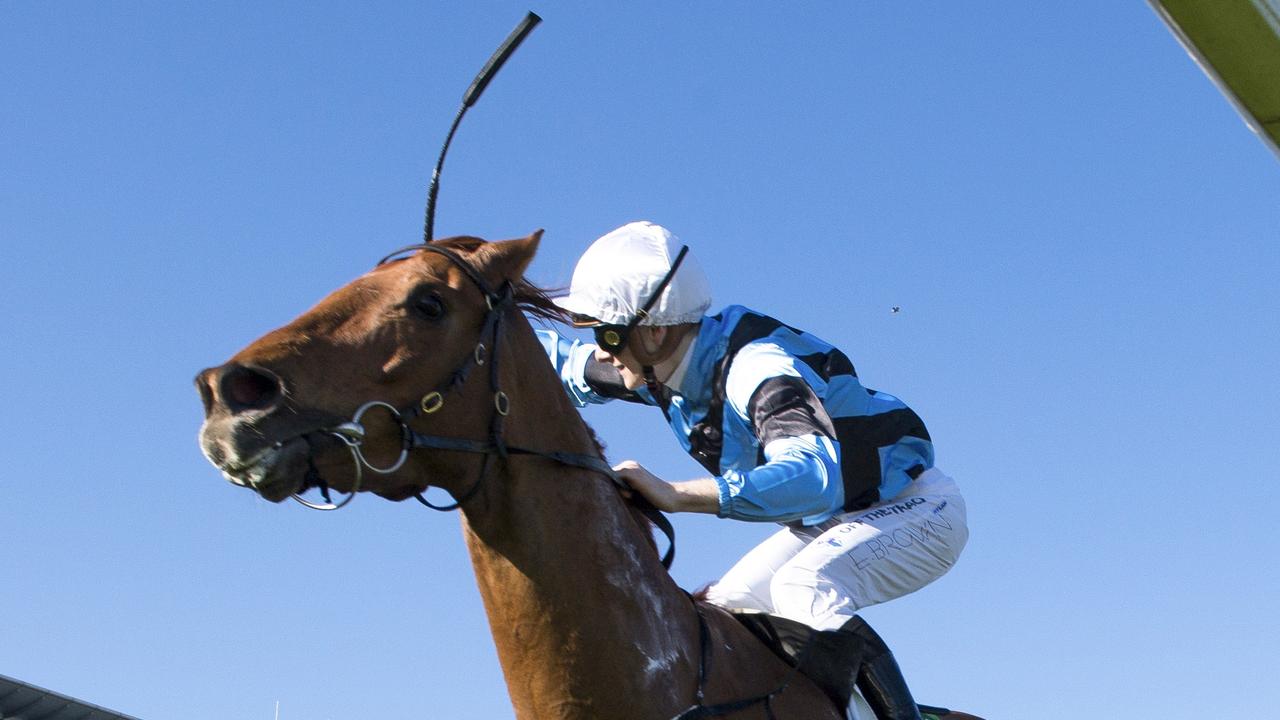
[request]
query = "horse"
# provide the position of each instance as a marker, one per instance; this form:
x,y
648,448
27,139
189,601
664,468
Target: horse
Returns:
x,y
377,389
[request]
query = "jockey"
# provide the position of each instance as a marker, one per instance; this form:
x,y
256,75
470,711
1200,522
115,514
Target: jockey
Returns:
x,y
787,433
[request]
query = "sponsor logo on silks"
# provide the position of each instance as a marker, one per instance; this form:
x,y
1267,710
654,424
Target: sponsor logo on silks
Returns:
x,y
894,509
929,532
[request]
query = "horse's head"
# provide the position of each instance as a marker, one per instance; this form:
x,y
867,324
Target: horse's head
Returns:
x,y
274,413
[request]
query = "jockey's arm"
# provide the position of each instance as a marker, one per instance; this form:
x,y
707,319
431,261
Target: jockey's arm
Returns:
x,y
701,496
800,479
587,380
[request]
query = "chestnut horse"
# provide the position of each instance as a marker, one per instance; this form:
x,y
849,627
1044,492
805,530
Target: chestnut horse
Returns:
x,y
587,622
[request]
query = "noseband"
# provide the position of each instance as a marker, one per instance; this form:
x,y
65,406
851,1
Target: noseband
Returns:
x,y
352,433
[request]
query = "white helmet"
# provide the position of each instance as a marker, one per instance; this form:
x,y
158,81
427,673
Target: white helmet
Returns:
x,y
619,274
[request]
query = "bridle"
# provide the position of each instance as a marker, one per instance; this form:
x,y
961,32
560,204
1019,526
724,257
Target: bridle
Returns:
x,y
352,432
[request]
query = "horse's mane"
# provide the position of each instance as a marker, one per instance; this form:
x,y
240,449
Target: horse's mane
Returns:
x,y
536,301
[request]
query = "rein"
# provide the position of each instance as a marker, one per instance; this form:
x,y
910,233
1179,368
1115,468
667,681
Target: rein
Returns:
x,y
352,432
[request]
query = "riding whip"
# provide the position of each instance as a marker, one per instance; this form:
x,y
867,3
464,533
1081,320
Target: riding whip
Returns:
x,y
469,98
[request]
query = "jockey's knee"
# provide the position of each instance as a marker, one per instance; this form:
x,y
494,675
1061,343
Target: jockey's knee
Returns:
x,y
733,596
804,596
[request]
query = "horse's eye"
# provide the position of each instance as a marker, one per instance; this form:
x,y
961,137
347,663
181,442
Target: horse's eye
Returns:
x,y
430,306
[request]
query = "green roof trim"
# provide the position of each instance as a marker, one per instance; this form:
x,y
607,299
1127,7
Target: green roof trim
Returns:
x,y
1237,44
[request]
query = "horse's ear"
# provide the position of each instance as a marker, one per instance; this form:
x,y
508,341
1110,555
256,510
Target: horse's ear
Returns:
x,y
508,259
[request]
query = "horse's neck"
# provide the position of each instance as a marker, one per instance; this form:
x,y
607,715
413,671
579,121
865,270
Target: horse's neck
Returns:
x,y
586,621
583,627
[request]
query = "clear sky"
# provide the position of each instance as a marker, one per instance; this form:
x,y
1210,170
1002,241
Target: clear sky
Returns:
x,y
1080,233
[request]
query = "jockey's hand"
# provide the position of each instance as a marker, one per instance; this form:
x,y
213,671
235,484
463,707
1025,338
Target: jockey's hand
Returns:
x,y
657,491
691,496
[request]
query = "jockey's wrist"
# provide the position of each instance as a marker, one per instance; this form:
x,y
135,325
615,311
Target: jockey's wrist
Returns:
x,y
702,496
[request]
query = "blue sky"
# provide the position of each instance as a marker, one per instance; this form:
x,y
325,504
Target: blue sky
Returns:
x,y
1080,232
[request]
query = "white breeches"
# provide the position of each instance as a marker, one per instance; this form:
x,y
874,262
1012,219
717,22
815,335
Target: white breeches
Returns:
x,y
822,575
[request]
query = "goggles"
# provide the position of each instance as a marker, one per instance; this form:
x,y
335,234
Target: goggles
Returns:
x,y
613,338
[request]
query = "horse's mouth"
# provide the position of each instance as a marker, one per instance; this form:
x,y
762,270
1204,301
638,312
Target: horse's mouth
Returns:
x,y
275,472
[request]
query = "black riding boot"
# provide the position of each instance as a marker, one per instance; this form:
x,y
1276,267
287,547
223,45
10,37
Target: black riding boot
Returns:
x,y
879,679
838,661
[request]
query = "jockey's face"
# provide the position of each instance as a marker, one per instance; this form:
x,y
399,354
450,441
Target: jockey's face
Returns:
x,y
631,369
628,366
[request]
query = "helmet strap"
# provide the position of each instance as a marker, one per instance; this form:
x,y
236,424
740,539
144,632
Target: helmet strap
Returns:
x,y
660,392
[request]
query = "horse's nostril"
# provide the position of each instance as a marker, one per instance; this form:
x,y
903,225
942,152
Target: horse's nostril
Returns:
x,y
206,392
246,388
